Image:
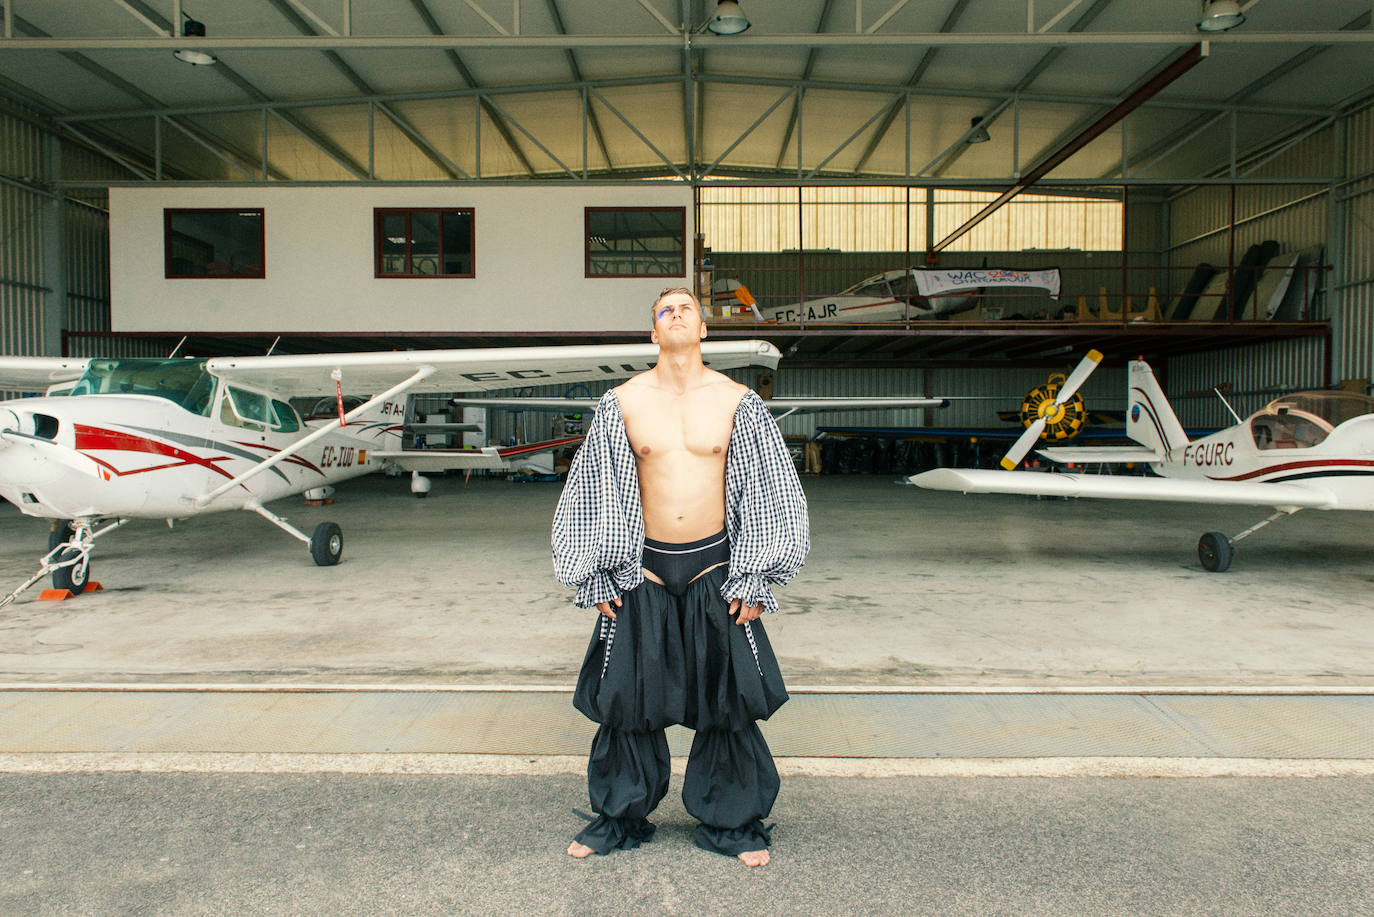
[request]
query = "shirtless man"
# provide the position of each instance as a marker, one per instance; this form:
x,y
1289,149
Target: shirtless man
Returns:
x,y
684,481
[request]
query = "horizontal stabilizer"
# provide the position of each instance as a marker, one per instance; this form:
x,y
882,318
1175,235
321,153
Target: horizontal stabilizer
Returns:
x,y
1089,455
443,428
441,459
493,458
1122,487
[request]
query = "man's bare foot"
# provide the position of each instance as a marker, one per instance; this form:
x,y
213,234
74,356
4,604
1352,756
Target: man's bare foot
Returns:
x,y
751,857
581,851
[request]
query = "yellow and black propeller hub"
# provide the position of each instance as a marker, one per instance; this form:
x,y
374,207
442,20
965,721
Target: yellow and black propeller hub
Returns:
x,y
1062,421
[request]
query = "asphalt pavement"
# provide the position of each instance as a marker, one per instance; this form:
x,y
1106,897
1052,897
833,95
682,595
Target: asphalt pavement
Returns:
x,y
193,844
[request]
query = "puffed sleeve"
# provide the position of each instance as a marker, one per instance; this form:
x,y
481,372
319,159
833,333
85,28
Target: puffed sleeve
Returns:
x,y
598,528
765,508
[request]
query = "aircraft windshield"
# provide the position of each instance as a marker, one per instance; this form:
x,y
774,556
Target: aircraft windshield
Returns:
x,y
1333,407
183,382
1304,419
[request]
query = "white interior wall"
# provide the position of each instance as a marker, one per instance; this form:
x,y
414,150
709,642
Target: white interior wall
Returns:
x,y
529,253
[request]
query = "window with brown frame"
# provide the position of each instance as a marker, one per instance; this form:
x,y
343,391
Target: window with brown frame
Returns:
x,y
636,241
222,242
424,242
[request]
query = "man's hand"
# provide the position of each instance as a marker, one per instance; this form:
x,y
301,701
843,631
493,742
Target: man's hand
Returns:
x,y
605,608
747,613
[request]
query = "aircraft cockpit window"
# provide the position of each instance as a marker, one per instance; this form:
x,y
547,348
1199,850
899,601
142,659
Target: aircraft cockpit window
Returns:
x,y
253,411
284,418
243,409
1285,429
183,382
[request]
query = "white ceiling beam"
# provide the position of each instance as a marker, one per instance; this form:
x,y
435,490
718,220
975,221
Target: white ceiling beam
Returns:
x,y
647,142
882,20
156,28
1060,15
700,42
781,83
310,14
659,16
491,20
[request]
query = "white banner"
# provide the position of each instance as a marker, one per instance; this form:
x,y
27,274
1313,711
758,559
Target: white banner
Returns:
x,y
937,282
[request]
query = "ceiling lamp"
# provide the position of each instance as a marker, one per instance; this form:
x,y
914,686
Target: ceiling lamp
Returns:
x,y
977,133
1220,15
728,19
194,29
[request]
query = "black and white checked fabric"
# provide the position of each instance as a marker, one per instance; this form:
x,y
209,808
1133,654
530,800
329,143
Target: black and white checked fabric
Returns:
x,y
598,528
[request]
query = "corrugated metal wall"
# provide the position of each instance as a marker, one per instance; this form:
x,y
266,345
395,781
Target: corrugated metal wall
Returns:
x,y
1354,345
1298,217
26,293
1255,375
23,295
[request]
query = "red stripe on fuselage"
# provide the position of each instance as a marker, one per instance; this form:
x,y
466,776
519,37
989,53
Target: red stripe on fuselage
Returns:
x,y
1311,463
293,459
88,438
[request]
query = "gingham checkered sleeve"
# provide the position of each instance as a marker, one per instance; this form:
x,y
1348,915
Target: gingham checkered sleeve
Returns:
x,y
598,528
765,509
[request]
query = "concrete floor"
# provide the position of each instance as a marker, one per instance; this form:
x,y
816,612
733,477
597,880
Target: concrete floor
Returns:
x,y
903,587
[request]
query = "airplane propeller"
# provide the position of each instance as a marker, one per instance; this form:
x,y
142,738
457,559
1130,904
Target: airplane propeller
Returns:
x,y
1051,410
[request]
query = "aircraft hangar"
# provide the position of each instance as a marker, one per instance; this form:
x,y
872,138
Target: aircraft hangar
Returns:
x,y
1183,183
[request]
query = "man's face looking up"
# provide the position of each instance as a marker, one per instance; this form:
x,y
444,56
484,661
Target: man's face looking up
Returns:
x,y
676,318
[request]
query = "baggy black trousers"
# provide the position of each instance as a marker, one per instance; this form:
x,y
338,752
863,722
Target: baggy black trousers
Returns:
x,y
669,659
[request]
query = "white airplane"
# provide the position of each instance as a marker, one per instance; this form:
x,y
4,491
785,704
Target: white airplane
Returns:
x,y
1308,450
115,440
898,295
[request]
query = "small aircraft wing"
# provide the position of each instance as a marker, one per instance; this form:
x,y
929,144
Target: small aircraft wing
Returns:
x,y
492,457
35,374
1088,455
475,369
799,405
1119,487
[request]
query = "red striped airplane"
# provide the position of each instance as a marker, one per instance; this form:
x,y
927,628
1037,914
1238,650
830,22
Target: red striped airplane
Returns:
x,y
1308,450
115,440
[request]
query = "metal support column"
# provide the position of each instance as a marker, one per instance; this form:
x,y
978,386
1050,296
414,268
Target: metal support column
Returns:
x,y
54,235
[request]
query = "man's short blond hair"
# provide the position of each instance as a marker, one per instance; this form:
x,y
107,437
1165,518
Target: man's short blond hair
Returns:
x,y
653,310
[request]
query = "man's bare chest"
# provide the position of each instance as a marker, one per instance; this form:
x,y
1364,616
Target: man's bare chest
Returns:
x,y
662,427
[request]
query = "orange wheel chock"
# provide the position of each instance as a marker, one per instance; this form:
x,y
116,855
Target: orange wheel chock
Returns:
x,y
61,595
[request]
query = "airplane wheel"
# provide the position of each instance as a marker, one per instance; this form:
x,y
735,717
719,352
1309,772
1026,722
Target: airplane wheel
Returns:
x,y
326,544
74,577
1215,551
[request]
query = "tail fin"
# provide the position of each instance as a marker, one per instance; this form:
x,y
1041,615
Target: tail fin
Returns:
x,y
382,423
1150,420
746,298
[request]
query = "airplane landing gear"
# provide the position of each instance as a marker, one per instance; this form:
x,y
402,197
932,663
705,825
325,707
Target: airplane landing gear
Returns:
x,y
1215,552
326,544
69,557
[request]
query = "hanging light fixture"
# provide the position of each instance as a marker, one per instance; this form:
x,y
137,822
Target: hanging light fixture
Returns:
x,y
192,28
980,133
728,19
1220,15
